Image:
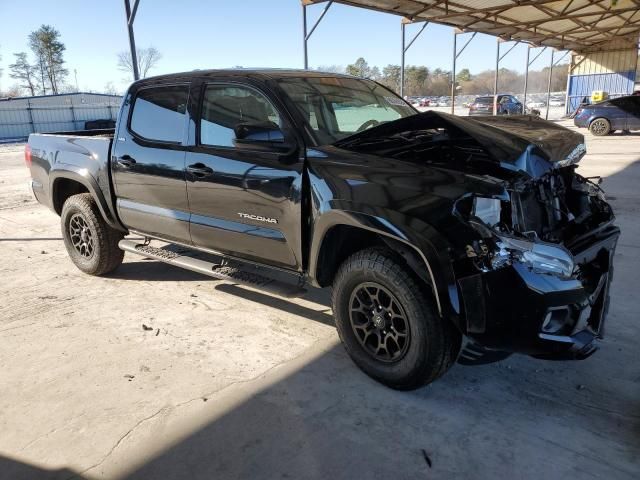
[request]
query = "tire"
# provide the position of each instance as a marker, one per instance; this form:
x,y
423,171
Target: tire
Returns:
x,y
600,127
90,242
431,343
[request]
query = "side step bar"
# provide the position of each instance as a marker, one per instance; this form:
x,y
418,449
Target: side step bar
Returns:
x,y
220,271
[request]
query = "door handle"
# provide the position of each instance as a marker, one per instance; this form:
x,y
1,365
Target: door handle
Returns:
x,y
126,161
199,170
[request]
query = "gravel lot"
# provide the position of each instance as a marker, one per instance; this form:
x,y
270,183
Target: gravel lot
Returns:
x,y
231,383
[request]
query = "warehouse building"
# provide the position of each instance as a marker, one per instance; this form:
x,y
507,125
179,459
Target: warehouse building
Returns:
x,y
22,116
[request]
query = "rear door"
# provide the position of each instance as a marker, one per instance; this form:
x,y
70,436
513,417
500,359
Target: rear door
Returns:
x,y
631,108
615,111
148,162
245,199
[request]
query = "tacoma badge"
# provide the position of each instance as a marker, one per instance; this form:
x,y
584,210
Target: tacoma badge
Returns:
x,y
258,218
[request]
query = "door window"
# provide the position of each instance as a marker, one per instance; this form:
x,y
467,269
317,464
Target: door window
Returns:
x,y
630,105
225,107
159,113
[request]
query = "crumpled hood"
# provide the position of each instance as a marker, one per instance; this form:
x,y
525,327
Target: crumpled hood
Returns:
x,y
515,142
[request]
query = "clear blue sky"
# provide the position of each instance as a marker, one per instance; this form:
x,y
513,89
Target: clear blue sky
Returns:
x,y
225,33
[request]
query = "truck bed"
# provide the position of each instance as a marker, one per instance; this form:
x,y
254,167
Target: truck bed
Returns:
x,y
83,153
104,132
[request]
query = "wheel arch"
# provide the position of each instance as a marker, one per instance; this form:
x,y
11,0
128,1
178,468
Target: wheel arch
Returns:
x,y
65,183
341,234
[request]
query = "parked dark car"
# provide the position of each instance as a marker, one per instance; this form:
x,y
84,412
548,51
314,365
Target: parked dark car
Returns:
x,y
606,117
507,105
428,227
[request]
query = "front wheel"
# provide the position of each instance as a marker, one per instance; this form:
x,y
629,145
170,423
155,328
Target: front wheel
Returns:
x,y
91,243
387,322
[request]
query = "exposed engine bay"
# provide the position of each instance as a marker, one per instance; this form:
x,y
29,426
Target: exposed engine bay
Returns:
x,y
545,207
539,224
558,207
532,242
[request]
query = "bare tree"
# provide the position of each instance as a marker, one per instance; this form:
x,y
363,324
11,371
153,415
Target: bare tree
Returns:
x,y
25,72
110,89
148,58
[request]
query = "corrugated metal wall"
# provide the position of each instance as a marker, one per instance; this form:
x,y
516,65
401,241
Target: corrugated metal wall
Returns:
x,y
21,116
611,71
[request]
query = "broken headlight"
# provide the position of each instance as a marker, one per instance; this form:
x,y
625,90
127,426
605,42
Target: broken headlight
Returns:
x,y
540,257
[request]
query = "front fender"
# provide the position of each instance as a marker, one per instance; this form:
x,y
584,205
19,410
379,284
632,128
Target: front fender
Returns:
x,y
427,243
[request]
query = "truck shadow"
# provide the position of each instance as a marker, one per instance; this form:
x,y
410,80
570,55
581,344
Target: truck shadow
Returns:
x,y
154,271
12,469
32,239
321,297
323,418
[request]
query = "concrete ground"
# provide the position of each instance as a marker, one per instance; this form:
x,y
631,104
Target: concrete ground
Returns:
x,y
155,372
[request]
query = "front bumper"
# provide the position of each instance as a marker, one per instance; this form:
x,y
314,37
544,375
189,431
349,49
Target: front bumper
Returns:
x,y
515,309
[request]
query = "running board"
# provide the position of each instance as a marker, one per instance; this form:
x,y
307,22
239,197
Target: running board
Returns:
x,y
221,271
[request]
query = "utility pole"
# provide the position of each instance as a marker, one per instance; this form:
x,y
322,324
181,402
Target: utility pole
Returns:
x,y
75,72
131,15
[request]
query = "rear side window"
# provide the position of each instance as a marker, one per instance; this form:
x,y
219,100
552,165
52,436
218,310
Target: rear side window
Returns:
x,y
225,107
159,113
629,105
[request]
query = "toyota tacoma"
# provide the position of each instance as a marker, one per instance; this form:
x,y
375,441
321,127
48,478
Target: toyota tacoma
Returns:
x,y
433,230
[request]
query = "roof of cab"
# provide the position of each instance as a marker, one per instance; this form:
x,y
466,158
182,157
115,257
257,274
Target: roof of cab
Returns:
x,y
270,73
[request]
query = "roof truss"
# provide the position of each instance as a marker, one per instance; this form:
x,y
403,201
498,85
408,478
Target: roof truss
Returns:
x,y
579,25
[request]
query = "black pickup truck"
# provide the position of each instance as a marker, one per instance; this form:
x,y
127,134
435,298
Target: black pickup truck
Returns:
x,y
430,228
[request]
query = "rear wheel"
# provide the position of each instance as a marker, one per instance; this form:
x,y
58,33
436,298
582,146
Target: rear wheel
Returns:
x,y
91,243
600,127
387,322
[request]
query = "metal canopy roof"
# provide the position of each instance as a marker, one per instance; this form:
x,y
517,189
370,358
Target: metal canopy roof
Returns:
x,y
579,25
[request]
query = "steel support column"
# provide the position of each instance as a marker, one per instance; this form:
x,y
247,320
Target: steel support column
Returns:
x,y
495,77
404,49
546,115
553,64
526,72
456,54
402,52
453,71
305,35
131,15
526,80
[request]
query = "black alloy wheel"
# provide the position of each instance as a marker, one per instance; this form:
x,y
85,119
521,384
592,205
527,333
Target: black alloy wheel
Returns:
x,y
81,235
379,322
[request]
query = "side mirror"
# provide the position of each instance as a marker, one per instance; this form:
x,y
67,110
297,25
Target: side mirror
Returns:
x,y
258,132
265,136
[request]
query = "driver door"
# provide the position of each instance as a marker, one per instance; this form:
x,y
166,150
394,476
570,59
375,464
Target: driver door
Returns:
x,y
244,197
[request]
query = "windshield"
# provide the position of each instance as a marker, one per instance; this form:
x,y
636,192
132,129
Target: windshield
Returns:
x,y
337,107
484,100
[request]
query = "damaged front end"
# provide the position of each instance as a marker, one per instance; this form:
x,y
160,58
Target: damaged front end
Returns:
x,y
532,248
541,265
